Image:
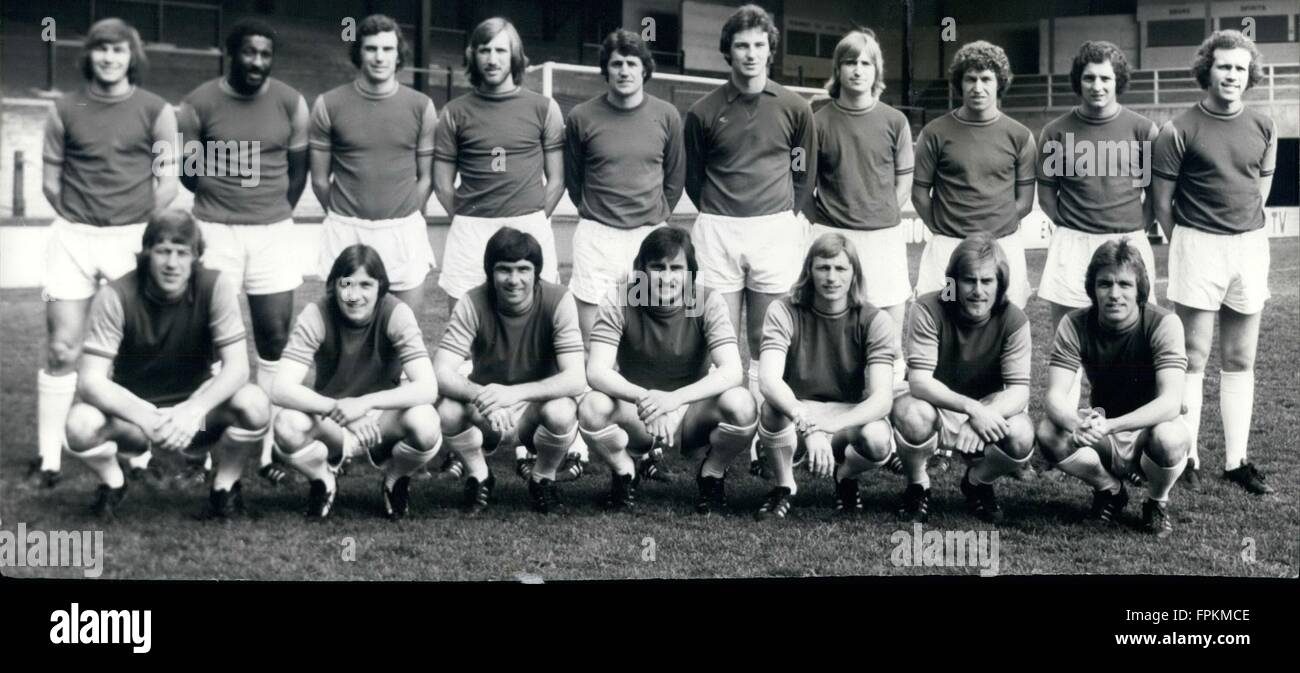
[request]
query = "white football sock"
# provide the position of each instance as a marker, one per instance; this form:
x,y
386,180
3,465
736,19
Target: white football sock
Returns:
x,y
1192,398
551,450
994,464
265,377
610,443
726,442
779,446
1085,464
231,452
54,396
102,460
406,460
1160,480
915,457
469,446
1236,404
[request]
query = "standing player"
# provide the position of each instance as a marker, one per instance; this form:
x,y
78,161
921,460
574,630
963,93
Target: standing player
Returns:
x,y
521,335
102,178
375,138
252,133
974,171
502,139
145,371
1213,170
361,339
827,374
751,149
1133,353
864,175
624,168
651,350
968,357
1103,200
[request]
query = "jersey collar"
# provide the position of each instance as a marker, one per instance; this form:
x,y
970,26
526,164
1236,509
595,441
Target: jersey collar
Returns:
x,y
733,93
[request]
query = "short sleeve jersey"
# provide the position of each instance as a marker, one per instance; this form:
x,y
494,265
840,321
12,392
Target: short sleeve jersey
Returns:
x,y
972,359
1216,162
162,350
1096,167
1121,363
827,356
105,148
499,144
974,168
664,347
859,154
374,142
353,360
510,348
246,142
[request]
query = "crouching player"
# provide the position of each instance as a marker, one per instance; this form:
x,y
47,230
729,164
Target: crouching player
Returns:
x,y
1134,357
521,334
826,368
968,355
361,339
651,347
145,378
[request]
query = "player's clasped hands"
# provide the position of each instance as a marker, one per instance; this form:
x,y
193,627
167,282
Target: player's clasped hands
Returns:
x,y
655,410
348,410
1092,428
502,422
969,439
988,425
177,426
494,397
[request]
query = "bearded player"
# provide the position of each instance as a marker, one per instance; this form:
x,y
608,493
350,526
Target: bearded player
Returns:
x,y
968,359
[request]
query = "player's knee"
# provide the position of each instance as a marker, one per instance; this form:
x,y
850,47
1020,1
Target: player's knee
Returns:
x,y
83,426
596,410
1197,359
1019,442
771,418
1238,359
737,407
875,440
453,415
292,430
270,337
251,406
62,355
422,425
559,415
1052,439
1169,443
914,420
